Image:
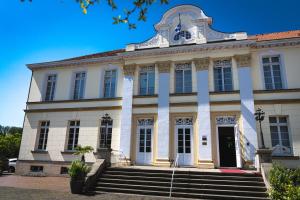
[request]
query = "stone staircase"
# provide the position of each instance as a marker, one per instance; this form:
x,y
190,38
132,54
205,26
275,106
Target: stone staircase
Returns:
x,y
187,184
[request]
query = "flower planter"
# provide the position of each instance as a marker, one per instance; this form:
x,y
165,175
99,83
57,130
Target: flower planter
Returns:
x,y
77,186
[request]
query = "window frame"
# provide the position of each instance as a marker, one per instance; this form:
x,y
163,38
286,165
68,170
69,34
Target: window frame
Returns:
x,y
222,74
183,78
278,125
81,82
74,135
107,126
147,70
110,90
51,90
45,135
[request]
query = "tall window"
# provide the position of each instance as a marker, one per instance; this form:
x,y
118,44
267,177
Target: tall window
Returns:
x,y
43,135
73,135
272,72
105,131
50,87
110,83
183,78
280,135
79,85
222,75
147,80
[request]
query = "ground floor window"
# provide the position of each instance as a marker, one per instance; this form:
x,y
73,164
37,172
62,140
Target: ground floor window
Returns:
x,y
280,135
73,135
106,131
43,135
34,168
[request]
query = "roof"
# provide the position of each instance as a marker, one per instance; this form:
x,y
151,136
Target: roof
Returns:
x,y
96,55
275,36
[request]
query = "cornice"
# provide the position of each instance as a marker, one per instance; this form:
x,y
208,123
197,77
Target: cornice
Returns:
x,y
201,63
243,60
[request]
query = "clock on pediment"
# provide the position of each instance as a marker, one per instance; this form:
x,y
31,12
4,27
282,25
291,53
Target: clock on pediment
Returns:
x,y
185,24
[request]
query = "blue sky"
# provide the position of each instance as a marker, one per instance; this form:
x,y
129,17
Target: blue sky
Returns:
x,y
47,30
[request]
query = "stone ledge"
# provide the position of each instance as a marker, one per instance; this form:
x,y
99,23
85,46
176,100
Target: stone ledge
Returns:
x,y
285,157
67,152
39,152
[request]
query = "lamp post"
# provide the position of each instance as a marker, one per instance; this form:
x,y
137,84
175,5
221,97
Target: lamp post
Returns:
x,y
259,116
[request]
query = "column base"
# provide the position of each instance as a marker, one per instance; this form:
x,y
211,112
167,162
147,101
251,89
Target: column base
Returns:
x,y
205,164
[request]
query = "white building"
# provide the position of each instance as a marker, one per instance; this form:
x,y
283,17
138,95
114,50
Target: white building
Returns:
x,y
189,91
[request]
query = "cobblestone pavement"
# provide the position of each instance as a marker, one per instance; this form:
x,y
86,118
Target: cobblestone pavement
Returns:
x,y
9,193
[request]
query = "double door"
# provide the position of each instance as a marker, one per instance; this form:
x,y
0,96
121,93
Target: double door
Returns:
x,y
144,145
184,144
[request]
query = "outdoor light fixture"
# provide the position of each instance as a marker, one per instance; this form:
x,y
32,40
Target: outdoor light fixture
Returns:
x,y
259,116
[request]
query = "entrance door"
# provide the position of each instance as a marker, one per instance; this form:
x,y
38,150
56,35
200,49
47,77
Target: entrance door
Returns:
x,y
184,141
144,145
227,150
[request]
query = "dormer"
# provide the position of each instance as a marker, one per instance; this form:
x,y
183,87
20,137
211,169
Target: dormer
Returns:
x,y
182,25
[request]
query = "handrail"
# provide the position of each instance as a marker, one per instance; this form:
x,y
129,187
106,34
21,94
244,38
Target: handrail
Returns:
x,y
122,154
174,166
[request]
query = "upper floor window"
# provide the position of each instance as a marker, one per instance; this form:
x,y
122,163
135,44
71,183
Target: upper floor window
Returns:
x,y
183,34
183,78
106,131
73,135
43,135
110,83
50,87
79,85
280,135
222,75
272,72
147,80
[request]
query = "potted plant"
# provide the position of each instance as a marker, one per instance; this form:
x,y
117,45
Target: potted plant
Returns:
x,y
79,169
78,172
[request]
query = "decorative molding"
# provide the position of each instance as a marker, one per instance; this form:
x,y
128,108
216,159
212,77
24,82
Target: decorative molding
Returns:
x,y
225,120
77,109
243,60
201,63
164,67
74,101
129,70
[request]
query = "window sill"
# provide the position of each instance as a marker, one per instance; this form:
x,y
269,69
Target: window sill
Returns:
x,y
39,152
67,152
225,92
184,94
145,96
286,157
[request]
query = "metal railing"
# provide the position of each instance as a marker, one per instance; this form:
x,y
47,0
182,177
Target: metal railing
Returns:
x,y
122,156
172,179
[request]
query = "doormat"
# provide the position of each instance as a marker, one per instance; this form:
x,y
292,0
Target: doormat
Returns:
x,y
238,171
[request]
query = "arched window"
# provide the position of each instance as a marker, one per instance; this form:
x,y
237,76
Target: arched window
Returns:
x,y
105,131
185,34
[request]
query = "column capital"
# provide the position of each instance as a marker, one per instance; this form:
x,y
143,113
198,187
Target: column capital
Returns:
x,y
129,69
201,63
243,60
164,66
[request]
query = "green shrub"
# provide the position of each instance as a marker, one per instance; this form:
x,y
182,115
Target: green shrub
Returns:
x,y
285,183
78,170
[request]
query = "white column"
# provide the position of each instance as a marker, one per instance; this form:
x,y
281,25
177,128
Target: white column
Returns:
x,y
204,126
247,107
163,111
126,113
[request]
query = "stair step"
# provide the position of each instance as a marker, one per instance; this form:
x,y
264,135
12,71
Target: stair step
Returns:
x,y
185,180
180,175
183,189
188,185
177,194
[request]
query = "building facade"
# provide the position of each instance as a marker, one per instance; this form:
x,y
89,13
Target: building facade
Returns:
x,y
190,93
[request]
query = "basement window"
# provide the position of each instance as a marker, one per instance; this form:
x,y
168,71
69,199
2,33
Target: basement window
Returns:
x,y
34,168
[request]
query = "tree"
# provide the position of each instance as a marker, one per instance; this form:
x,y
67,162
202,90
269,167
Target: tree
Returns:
x,y
138,6
10,145
83,150
10,130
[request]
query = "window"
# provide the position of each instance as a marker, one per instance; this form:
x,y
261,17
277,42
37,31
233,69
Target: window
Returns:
x,y
73,135
43,135
110,83
34,168
272,72
79,85
64,170
222,75
183,34
147,80
50,87
183,78
280,135
105,131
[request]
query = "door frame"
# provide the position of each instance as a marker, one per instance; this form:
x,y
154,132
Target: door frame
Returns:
x,y
192,141
237,144
138,142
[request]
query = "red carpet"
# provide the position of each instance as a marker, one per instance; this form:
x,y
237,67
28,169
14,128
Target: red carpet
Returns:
x,y
232,171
